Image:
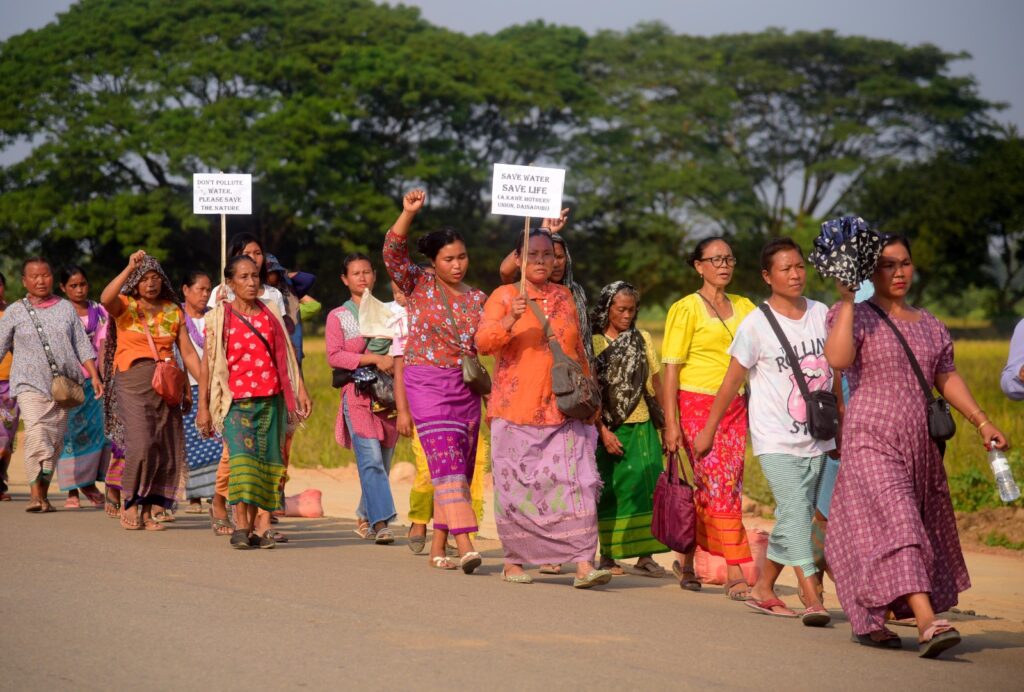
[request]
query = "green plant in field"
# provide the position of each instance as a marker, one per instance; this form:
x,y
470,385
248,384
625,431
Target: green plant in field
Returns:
x,y
1000,540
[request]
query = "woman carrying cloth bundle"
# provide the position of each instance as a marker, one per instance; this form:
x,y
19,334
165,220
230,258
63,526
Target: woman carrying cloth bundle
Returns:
x,y
444,312
148,324
629,458
249,390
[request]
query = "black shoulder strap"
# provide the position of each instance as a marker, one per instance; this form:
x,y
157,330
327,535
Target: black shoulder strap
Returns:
x,y
928,394
255,331
794,364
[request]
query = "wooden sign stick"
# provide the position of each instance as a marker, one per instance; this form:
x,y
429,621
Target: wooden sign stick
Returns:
x,y
523,257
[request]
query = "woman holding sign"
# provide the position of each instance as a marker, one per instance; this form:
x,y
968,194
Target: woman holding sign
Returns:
x,y
443,314
546,480
561,273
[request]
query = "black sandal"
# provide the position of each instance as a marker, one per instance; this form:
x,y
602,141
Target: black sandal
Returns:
x,y
891,640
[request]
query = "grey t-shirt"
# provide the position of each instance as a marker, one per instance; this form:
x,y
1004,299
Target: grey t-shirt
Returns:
x,y
69,344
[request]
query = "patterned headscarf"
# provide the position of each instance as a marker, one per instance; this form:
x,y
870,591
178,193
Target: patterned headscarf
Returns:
x,y
579,296
112,424
622,368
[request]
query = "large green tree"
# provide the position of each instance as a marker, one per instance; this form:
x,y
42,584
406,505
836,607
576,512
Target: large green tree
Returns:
x,y
338,106
964,211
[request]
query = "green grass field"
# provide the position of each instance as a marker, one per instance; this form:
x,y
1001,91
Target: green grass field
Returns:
x,y
980,363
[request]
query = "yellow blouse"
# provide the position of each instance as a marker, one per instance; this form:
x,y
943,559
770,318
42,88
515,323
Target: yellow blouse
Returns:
x,y
698,341
640,413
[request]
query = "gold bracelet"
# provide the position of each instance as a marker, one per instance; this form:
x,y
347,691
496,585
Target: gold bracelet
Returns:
x,y
971,416
983,424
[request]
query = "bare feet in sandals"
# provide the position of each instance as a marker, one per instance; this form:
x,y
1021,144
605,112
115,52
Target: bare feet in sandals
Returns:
x,y
610,565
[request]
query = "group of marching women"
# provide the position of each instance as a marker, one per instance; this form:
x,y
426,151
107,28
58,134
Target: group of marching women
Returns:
x,y
570,488
103,397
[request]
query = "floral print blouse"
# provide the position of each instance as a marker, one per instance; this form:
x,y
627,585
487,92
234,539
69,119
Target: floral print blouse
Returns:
x,y
432,336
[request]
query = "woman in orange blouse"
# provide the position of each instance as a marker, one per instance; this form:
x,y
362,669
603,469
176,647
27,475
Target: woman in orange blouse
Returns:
x,y
545,477
148,323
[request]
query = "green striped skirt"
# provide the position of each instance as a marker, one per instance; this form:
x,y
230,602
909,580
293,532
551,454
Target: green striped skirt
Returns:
x,y
627,498
254,431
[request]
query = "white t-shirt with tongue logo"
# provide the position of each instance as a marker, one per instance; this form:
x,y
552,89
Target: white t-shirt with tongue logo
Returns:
x,y
778,412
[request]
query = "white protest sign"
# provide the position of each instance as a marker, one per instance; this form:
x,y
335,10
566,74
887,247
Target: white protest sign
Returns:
x,y
221,193
527,191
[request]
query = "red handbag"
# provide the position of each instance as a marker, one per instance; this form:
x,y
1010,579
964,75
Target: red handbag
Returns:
x,y
168,379
674,523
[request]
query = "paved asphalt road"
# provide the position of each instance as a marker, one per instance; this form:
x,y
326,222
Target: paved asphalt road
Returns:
x,y
87,605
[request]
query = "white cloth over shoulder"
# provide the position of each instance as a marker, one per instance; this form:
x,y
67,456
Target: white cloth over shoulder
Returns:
x,y
374,318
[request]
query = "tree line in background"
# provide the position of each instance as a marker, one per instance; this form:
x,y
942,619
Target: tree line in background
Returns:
x,y
338,106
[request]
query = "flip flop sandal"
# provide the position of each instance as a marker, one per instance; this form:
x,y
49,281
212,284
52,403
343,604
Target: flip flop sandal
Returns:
x,y
95,497
523,578
737,595
384,537
688,580
614,568
766,607
595,577
890,641
47,507
277,536
4,497
470,561
815,616
34,507
128,525
72,503
164,518
937,638
153,525
221,527
649,569
442,563
551,569
417,543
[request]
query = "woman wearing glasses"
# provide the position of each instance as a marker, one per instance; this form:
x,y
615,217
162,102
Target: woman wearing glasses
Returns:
x,y
698,332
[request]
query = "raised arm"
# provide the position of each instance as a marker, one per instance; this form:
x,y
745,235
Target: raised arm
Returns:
x,y
396,244
840,350
109,297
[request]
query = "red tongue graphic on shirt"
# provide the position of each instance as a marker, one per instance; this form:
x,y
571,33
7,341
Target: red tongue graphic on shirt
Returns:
x,y
816,372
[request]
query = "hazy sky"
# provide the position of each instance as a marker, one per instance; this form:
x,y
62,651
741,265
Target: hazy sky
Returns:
x,y
987,29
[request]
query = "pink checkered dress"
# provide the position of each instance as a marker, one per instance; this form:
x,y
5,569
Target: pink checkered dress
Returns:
x,y
891,529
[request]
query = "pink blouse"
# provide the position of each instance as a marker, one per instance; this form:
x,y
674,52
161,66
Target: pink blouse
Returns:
x,y
344,346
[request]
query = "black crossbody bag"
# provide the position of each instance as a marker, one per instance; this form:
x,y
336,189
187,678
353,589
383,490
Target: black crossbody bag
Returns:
x,y
822,405
941,425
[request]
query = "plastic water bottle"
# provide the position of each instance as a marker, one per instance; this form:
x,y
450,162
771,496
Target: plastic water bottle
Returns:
x,y
1008,490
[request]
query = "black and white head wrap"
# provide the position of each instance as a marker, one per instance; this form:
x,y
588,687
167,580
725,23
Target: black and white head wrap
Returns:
x,y
846,250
